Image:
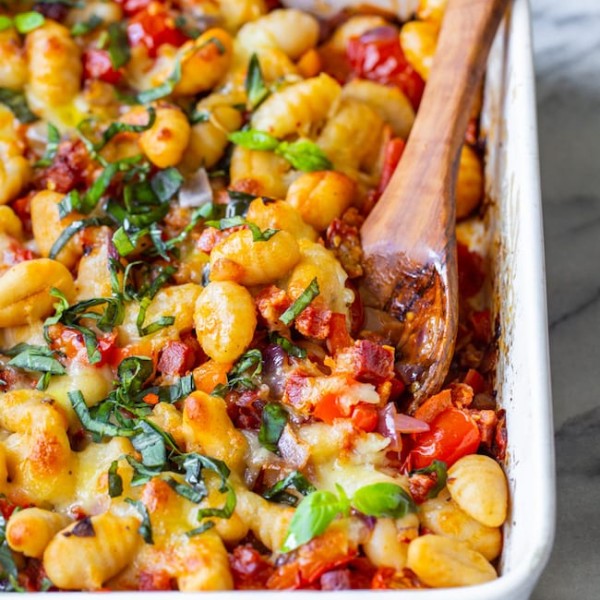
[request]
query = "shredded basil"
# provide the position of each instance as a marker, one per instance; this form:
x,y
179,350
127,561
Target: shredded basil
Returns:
x,y
93,425
17,103
71,230
85,27
145,529
115,481
51,147
294,480
273,422
118,45
256,90
164,89
5,22
287,345
146,298
199,530
237,221
8,569
244,374
36,359
305,298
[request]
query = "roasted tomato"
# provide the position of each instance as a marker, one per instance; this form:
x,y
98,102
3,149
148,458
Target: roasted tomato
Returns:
x,y
453,434
378,56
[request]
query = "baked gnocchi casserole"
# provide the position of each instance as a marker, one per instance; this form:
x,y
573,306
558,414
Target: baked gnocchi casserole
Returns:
x,y
193,393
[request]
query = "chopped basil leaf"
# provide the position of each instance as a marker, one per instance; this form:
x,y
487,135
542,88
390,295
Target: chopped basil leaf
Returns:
x,y
221,513
189,30
119,127
37,359
440,469
273,422
8,569
312,517
146,300
145,529
305,298
141,473
254,140
115,482
164,89
170,393
199,116
237,221
383,500
118,45
28,21
288,346
94,425
217,42
294,480
71,230
194,495
133,372
166,183
256,89
17,103
304,155
85,27
51,147
151,445
5,22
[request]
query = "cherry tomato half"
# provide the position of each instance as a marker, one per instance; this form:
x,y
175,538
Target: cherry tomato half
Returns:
x,y
153,28
97,65
377,55
453,434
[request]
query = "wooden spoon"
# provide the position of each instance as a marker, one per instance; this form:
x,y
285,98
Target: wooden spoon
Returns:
x,y
409,237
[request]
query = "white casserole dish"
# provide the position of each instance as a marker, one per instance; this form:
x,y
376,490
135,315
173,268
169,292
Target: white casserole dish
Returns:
x,y
523,368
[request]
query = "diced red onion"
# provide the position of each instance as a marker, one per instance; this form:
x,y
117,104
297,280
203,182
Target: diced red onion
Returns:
x,y
406,424
293,450
196,190
336,580
391,424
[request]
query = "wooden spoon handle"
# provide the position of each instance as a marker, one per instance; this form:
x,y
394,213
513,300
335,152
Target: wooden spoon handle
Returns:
x,y
428,167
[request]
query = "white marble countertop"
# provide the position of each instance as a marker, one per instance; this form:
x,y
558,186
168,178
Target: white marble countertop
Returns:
x,y
567,43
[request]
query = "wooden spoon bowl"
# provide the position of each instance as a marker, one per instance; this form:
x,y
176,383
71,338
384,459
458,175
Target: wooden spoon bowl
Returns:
x,y
409,237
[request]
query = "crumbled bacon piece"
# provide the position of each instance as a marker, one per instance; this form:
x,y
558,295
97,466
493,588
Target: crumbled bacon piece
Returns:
x,y
420,484
367,361
271,303
211,236
387,578
71,168
314,322
249,568
462,394
176,358
156,581
486,421
500,438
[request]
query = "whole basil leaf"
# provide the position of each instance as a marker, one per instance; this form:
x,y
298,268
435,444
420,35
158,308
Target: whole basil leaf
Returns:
x,y
383,500
304,155
254,140
312,517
